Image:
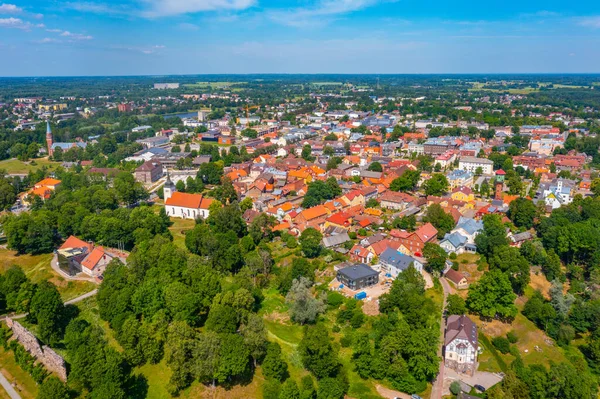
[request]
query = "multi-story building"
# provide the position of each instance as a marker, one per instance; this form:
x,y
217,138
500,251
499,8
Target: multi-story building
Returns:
x,y
461,344
471,164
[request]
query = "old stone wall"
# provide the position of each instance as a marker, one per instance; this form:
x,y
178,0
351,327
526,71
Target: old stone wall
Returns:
x,y
44,354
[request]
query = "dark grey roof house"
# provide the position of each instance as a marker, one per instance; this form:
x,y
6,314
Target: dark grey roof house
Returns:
x,y
358,276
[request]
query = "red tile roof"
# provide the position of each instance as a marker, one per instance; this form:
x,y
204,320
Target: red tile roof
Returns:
x,y
186,200
74,242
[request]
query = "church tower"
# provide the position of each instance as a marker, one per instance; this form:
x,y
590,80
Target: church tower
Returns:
x,y
49,139
168,188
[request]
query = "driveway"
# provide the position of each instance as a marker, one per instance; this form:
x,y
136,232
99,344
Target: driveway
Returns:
x,y
483,378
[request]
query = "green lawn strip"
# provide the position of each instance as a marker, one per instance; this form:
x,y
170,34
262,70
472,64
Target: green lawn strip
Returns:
x,y
88,310
490,348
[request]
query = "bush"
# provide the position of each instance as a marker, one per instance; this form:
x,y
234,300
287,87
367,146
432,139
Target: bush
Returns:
x,y
352,235
346,340
334,299
455,387
336,328
452,255
512,337
502,344
455,265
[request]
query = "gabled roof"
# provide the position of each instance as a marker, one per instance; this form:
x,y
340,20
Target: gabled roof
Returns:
x,y
186,200
456,239
74,242
461,327
93,258
48,182
454,276
426,232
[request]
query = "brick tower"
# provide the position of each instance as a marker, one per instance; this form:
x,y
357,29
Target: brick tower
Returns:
x,y
499,184
49,139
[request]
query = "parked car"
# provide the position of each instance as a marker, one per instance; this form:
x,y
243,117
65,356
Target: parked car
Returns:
x,y
415,396
479,387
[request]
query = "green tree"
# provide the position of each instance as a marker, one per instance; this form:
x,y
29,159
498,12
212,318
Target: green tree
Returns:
x,y
310,242
455,305
304,307
407,182
436,257
522,212
47,310
492,296
273,365
436,185
493,235
375,167
442,221
53,388
317,352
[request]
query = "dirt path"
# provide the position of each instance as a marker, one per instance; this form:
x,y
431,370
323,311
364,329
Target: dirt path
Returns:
x,y
390,393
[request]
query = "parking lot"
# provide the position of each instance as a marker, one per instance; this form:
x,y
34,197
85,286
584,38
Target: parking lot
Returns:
x,y
483,378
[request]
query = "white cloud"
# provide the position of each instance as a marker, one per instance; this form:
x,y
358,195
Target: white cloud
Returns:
x,y
54,30
99,8
322,12
148,50
188,26
10,9
16,23
164,8
590,22
76,36
48,40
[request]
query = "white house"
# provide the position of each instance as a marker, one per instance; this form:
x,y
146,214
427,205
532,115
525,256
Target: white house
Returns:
x,y
461,344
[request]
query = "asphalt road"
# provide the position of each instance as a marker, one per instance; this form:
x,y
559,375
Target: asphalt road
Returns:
x,y
438,385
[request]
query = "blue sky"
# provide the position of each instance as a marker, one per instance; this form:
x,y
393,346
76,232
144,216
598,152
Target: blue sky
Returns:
x,y
138,37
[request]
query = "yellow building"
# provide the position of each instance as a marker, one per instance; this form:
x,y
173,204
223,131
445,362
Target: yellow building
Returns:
x,y
52,107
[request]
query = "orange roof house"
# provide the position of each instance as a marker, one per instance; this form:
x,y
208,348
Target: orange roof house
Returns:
x,y
42,189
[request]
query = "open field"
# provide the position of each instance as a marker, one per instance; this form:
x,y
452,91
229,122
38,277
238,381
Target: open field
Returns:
x,y
37,268
16,166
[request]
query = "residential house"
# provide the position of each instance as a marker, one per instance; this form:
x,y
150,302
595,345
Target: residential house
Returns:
x,y
459,279
394,262
395,200
460,178
358,253
414,242
76,256
461,344
462,237
358,276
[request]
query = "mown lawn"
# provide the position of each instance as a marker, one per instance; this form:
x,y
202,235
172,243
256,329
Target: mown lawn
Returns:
x,y
37,268
178,230
15,166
